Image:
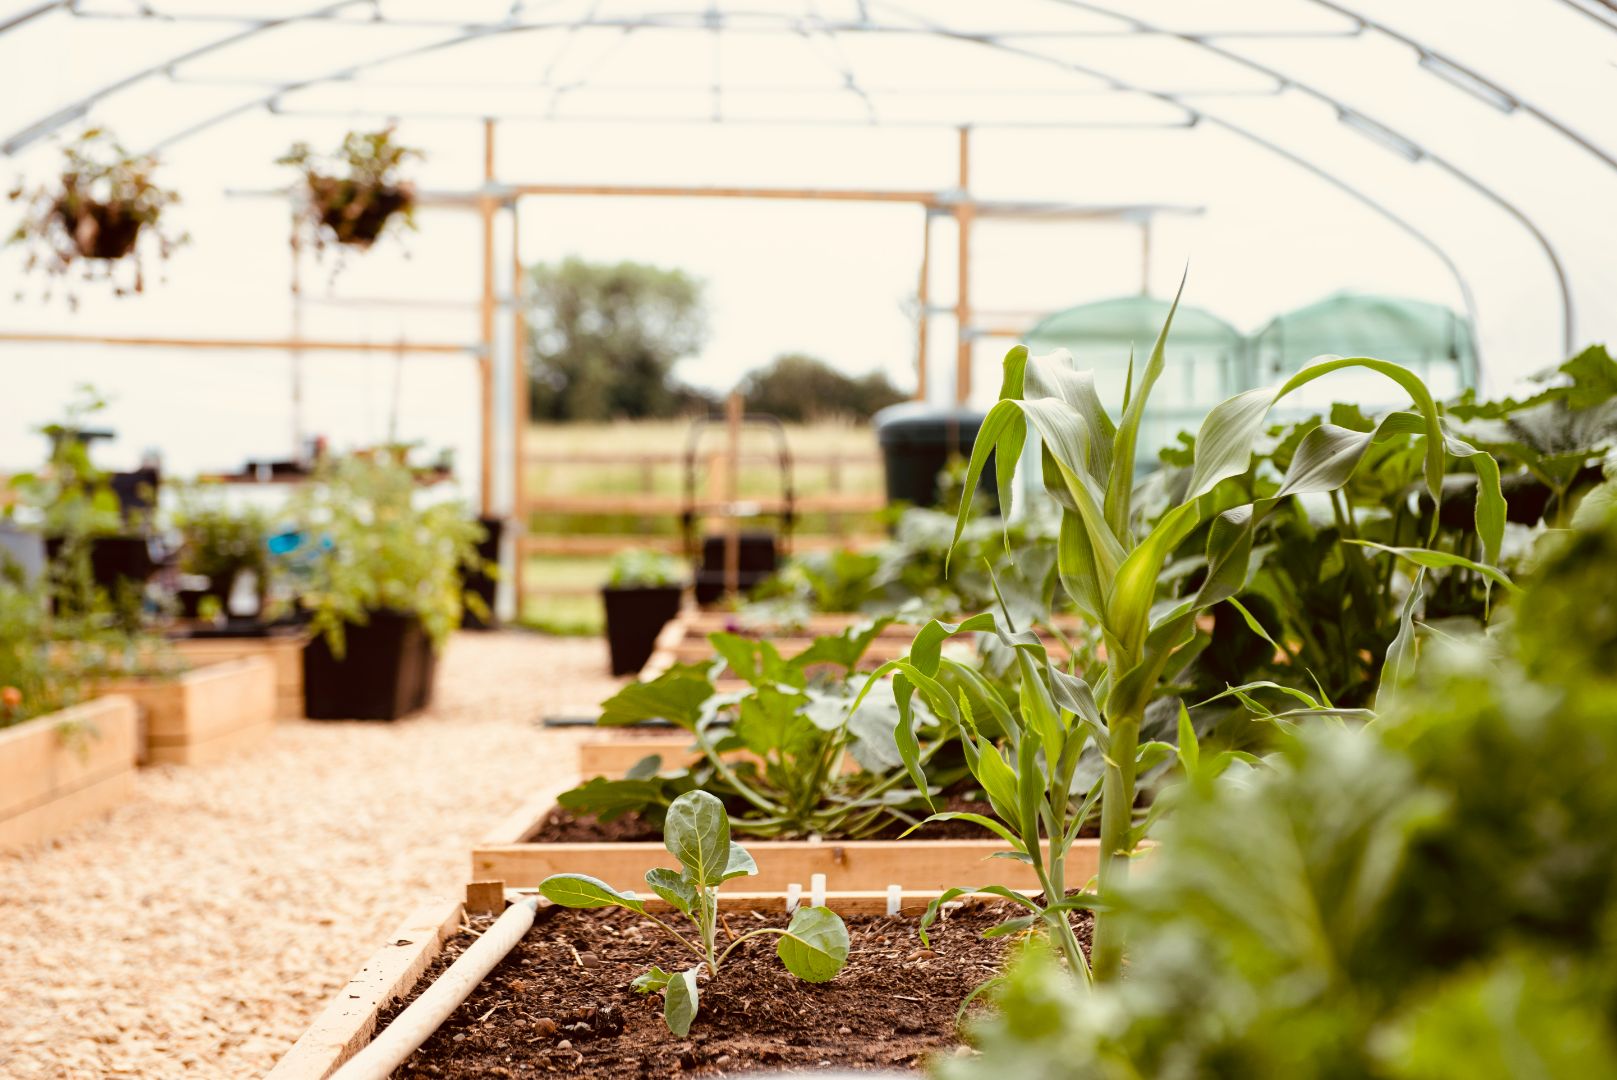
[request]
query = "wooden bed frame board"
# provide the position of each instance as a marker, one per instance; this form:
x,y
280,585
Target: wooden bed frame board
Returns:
x,y
284,651
204,714
51,780
915,864
347,1024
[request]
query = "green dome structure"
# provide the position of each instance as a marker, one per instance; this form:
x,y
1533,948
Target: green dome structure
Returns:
x,y
1433,340
1206,358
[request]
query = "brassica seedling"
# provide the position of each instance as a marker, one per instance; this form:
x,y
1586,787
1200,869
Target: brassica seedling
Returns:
x,y
814,945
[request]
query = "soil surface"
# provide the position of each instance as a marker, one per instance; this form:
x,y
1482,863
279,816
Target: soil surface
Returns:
x,y
561,1001
562,826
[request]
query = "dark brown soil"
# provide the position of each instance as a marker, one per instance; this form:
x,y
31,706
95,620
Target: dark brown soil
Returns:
x,y
562,826
561,1001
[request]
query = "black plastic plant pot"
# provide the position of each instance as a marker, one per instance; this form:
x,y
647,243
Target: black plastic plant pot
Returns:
x,y
917,441
757,560
635,615
114,559
386,672
477,582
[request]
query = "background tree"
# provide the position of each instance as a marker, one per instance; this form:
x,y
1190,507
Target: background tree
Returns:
x,y
603,338
796,387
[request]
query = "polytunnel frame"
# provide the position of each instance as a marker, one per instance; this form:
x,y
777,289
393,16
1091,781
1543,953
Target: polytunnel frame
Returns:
x,y
1429,59
958,203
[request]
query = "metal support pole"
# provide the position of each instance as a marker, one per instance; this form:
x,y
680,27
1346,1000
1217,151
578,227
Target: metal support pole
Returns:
x,y
963,213
923,295
520,417
295,359
485,362
1145,256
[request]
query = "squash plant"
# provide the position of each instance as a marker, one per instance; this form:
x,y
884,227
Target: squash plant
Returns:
x,y
794,717
1109,562
814,945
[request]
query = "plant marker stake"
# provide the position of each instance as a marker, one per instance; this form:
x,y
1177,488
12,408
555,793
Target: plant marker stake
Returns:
x,y
427,1013
817,890
794,896
895,899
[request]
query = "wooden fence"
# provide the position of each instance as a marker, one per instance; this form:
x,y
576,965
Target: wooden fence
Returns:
x,y
657,514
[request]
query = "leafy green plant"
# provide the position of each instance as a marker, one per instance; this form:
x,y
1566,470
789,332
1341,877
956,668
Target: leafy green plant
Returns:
x,y
30,683
372,549
1430,895
646,569
221,543
774,749
814,945
1109,562
105,199
354,195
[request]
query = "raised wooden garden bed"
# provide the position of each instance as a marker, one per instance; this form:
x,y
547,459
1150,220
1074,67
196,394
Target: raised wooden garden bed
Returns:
x,y
856,866
62,768
684,639
579,990
284,651
206,713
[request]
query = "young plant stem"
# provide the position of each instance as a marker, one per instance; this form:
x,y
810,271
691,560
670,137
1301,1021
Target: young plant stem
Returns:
x,y
1116,821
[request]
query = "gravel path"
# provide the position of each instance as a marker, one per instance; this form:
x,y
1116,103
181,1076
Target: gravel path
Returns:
x,y
197,931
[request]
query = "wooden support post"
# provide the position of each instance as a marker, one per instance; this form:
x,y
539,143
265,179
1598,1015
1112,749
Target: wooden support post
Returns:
x,y
963,212
923,296
519,418
485,897
833,467
485,363
732,493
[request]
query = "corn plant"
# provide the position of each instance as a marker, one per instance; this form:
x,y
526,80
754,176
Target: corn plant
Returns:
x,y
1109,564
814,945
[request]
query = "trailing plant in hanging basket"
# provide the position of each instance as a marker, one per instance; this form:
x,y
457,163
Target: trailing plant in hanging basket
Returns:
x,y
356,194
95,214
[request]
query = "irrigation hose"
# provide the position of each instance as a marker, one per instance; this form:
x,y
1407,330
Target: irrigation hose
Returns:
x,y
427,1013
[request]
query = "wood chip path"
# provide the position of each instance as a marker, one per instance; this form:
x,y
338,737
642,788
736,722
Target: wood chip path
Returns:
x,y
196,931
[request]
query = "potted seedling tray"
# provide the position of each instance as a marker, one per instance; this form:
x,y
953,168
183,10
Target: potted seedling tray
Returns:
x,y
559,999
204,714
62,768
510,854
281,646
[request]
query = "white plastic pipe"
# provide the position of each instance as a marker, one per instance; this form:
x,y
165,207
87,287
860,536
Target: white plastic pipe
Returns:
x,y
426,1014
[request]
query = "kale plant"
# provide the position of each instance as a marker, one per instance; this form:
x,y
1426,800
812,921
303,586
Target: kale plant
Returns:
x,y
814,945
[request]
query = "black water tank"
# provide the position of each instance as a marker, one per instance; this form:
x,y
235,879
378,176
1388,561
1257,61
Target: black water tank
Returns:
x,y
917,440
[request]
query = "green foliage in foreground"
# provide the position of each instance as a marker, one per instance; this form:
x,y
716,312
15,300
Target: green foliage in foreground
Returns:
x,y
1432,895
814,945
1110,562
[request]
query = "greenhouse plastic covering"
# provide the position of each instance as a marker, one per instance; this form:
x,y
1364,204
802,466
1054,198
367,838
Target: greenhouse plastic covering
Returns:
x,y
1455,152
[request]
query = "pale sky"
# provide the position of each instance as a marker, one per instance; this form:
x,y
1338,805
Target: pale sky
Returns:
x,y
832,279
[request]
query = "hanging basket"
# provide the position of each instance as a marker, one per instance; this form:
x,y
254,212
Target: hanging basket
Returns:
x,y
99,230
358,214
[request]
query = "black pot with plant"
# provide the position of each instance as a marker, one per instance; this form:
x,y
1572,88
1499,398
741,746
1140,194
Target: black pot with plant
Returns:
x,y
220,544
354,195
381,584
644,592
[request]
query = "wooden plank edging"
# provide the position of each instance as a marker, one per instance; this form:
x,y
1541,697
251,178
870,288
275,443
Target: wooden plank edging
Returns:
x,y
349,1021
914,864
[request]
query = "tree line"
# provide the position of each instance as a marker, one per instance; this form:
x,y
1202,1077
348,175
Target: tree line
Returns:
x,y
603,339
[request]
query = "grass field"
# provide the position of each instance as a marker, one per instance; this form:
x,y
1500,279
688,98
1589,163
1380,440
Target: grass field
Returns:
x,y
560,589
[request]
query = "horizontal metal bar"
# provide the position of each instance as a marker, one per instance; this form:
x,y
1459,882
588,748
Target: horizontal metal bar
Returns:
x,y
654,191
271,344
